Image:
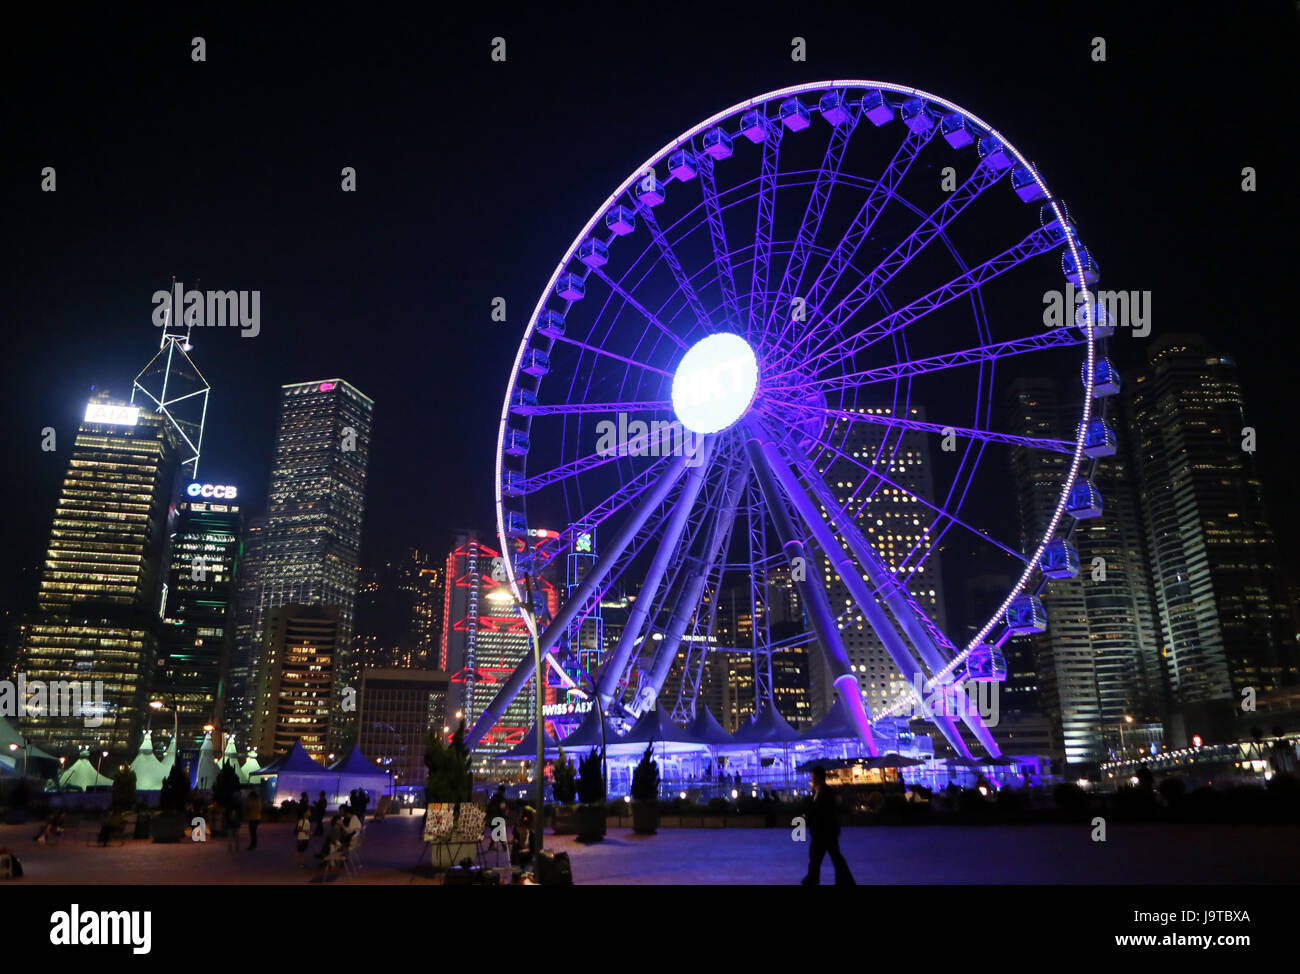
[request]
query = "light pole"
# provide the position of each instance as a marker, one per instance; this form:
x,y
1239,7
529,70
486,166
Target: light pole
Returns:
x,y
1122,749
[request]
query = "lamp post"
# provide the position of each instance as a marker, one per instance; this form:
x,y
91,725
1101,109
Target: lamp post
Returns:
x,y
1122,749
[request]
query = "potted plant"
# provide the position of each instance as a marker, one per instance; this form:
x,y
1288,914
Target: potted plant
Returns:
x,y
645,794
591,793
448,785
169,824
564,789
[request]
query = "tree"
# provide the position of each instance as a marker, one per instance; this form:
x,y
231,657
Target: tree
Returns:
x,y
563,780
175,793
645,778
124,790
449,779
591,780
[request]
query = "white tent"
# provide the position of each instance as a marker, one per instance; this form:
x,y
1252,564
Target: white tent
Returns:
x,y
82,775
250,765
148,769
205,768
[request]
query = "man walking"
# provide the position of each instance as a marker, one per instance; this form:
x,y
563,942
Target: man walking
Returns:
x,y
253,813
824,834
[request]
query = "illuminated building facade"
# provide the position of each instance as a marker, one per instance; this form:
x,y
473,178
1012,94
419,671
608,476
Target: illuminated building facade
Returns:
x,y
240,704
296,679
483,637
399,613
1225,623
98,603
199,610
398,708
1098,661
896,523
315,506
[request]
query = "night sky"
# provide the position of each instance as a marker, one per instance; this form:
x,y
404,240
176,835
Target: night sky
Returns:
x,y
473,177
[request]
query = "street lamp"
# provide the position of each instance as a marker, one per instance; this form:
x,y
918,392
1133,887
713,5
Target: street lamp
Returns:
x,y
1122,749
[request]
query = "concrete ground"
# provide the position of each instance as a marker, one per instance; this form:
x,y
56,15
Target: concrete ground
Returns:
x,y
1036,854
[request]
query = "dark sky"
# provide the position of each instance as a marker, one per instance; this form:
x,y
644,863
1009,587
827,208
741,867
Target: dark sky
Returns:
x,y
473,177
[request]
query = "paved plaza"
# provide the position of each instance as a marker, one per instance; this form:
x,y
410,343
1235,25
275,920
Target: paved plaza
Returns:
x,y
393,853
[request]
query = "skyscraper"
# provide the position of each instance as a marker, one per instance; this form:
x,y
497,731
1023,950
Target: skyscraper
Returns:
x,y
315,506
240,702
199,607
1225,624
484,636
1098,662
296,678
98,603
897,526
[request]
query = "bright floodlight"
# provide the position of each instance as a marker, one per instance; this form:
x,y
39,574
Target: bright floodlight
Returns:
x,y
715,383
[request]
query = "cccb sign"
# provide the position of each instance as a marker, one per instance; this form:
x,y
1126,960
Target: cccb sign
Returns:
x,y
216,491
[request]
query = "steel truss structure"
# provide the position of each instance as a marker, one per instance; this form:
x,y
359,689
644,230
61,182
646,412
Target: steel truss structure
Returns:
x,y
876,356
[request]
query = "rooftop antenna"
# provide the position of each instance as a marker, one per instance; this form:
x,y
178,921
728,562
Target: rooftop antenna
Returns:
x,y
174,385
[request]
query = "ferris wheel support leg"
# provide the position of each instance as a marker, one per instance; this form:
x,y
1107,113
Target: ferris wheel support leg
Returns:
x,y
813,595
692,589
770,459
878,576
524,668
612,669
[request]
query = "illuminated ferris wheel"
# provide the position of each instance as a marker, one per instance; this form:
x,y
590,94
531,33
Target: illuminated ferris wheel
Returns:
x,y
801,283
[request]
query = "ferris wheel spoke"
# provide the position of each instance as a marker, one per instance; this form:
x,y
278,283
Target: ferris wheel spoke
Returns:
x,y
692,590
763,230
841,257
582,408
1038,242
646,312
612,670
597,350
684,285
828,325
549,550
813,595
841,513
879,581
810,225
718,239
940,429
579,598
1054,338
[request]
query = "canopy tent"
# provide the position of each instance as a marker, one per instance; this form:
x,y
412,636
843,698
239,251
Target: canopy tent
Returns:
x,y
148,769
295,772
356,771
655,726
587,734
705,728
767,727
205,768
169,757
527,748
26,758
837,725
250,766
82,775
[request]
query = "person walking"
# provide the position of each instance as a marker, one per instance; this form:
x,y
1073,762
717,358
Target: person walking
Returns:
x,y
230,819
318,813
302,830
253,813
824,834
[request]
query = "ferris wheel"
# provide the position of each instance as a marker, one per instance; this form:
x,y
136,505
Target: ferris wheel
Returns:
x,y
739,368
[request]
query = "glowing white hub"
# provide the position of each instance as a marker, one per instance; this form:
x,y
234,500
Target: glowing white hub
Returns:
x,y
715,383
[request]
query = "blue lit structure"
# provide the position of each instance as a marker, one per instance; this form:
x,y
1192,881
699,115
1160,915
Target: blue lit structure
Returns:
x,y
700,471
